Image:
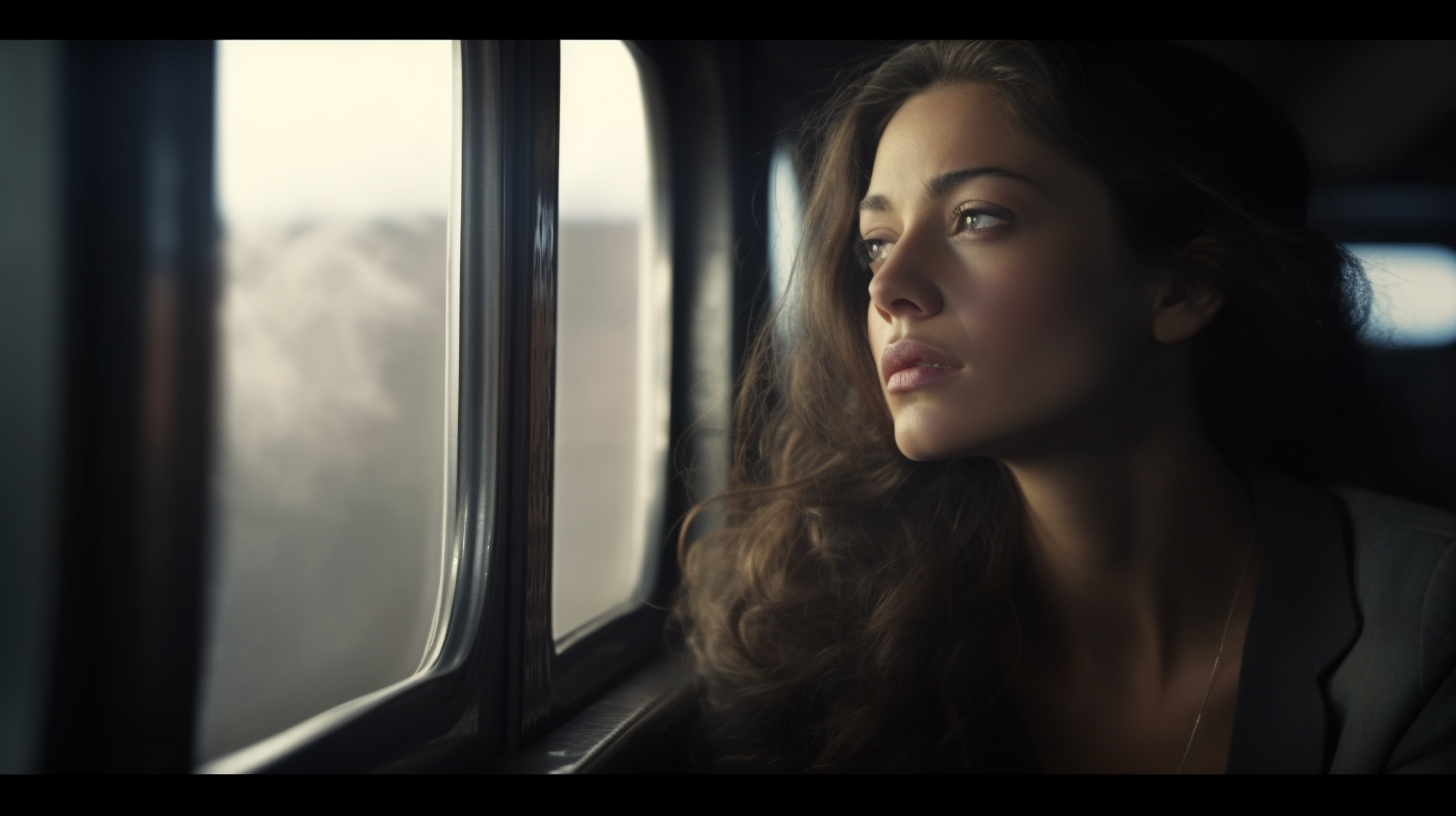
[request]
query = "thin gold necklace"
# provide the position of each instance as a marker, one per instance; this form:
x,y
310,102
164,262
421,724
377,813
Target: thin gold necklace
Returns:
x,y
1222,641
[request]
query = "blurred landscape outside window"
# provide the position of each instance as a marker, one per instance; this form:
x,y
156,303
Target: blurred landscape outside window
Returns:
x,y
335,185
612,344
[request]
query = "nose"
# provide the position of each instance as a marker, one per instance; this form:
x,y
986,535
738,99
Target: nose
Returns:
x,y
903,288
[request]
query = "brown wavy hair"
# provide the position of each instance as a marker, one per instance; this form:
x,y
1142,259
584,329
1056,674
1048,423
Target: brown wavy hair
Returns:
x,y
858,610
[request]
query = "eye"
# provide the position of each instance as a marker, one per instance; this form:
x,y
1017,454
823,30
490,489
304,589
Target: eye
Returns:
x,y
980,219
872,252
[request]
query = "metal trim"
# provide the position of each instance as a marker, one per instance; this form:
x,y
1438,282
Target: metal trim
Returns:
x,y
530,94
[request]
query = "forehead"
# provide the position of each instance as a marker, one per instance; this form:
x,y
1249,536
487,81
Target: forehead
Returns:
x,y
958,127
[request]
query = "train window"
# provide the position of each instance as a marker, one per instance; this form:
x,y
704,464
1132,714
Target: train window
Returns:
x,y
612,343
1414,293
329,568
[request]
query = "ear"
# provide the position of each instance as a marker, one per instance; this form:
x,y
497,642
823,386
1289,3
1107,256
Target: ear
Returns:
x,y
1180,311
1184,303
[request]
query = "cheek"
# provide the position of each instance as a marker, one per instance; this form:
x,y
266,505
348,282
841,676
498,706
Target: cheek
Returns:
x,y
1013,306
1045,322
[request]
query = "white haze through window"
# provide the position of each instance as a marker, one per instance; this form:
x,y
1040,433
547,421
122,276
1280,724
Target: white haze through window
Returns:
x,y
1414,289
334,172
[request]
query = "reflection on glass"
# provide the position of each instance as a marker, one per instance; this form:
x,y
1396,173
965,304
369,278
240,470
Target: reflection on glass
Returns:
x,y
785,224
1414,289
611,360
334,164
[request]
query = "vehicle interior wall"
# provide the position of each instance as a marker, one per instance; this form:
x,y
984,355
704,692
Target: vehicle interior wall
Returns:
x,y
1379,118
30,358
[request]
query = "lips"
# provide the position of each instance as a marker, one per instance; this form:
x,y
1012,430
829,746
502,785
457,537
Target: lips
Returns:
x,y
908,365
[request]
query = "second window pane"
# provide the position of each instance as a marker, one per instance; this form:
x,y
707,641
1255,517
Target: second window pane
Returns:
x,y
609,365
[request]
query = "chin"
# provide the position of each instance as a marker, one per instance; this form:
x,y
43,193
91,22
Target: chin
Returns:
x,y
917,445
923,438
917,448
920,456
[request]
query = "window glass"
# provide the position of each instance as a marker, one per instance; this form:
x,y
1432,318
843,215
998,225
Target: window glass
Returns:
x,y
334,173
611,354
1414,293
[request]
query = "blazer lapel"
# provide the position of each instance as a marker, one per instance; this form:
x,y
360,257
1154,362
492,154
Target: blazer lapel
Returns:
x,y
1304,620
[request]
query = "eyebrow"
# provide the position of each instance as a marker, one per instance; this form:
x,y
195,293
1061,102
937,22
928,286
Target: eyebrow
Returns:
x,y
947,181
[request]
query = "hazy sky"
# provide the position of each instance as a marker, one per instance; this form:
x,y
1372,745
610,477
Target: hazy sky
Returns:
x,y
364,128
333,128
603,133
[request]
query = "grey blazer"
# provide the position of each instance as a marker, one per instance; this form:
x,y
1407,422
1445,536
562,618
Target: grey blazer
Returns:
x,y
1350,661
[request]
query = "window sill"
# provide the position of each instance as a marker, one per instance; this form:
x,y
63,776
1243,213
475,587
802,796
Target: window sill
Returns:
x,y
640,726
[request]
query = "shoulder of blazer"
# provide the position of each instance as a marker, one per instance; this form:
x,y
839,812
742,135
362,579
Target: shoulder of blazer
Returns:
x,y
1305,618
1394,694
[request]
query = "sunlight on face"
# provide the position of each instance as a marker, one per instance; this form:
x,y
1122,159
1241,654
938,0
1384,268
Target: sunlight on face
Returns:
x,y
1002,313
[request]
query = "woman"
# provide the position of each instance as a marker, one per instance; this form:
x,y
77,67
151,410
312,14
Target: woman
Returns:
x,y
1038,485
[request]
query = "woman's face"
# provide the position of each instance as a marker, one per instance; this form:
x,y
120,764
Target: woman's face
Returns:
x,y
1004,317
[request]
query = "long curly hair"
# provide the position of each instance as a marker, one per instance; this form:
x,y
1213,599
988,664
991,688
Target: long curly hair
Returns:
x,y
858,610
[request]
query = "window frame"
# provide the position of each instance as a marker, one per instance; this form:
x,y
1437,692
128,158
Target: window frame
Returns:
x,y
135,178
126,651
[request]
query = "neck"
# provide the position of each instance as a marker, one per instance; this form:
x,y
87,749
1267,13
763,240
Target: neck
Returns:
x,y
1136,545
